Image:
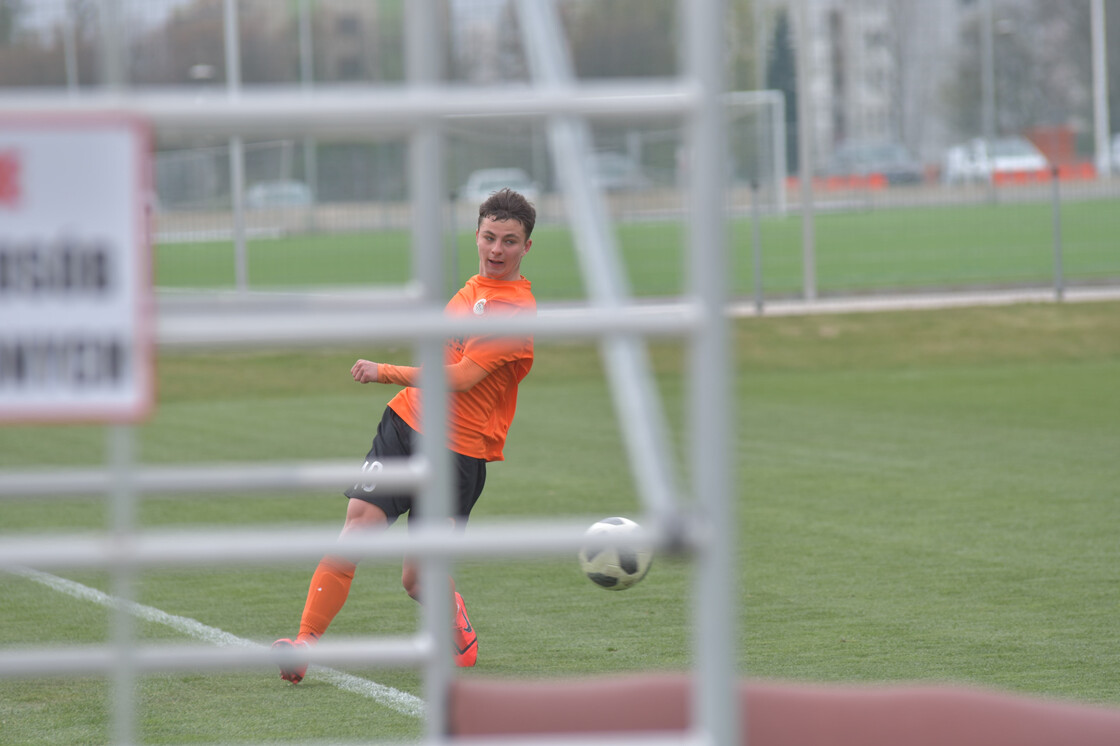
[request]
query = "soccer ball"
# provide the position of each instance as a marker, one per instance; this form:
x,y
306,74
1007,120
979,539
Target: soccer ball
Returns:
x,y
614,568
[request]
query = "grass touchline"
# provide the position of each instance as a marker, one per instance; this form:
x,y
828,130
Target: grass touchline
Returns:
x,y
402,702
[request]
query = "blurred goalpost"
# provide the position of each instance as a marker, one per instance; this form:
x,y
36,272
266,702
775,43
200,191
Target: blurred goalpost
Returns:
x,y
756,133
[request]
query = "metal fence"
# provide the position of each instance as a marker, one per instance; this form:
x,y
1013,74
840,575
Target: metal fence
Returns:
x,y
413,115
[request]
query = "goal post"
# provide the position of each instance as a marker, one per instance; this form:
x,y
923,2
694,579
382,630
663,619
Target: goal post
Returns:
x,y
418,113
756,133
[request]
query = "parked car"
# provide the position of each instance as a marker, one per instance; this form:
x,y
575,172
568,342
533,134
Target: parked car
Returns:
x,y
615,172
963,164
481,184
280,193
886,158
980,161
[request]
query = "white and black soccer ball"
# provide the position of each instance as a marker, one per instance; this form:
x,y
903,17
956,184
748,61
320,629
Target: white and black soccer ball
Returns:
x,y
615,568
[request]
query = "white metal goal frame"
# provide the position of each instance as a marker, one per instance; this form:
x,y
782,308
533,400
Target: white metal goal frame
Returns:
x,y
706,529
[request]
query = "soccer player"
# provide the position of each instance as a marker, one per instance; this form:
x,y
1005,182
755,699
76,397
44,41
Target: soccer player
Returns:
x,y
483,373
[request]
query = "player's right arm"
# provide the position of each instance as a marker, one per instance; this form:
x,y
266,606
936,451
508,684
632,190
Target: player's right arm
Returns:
x,y
462,376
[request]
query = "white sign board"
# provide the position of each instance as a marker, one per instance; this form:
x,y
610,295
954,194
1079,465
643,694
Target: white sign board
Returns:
x,y
76,303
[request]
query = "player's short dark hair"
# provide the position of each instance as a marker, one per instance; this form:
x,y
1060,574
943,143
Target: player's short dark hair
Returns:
x,y
507,204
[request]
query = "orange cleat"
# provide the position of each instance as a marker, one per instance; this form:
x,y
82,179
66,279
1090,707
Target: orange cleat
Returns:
x,y
291,668
466,639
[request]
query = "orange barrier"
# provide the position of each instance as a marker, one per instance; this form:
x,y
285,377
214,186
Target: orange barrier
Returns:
x,y
1077,172
873,182
781,714
1019,178
1072,171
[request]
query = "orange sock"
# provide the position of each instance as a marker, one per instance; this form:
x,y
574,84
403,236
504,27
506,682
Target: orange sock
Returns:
x,y
330,585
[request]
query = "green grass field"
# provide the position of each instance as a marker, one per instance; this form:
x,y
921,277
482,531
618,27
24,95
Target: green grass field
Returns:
x,y
861,251
923,495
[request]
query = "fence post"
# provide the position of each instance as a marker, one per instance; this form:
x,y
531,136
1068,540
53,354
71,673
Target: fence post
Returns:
x,y
1056,209
756,245
805,155
232,40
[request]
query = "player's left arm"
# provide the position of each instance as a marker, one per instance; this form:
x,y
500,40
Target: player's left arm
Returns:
x,y
461,376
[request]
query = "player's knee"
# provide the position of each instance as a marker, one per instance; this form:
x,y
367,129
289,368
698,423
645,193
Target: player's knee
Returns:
x,y
363,516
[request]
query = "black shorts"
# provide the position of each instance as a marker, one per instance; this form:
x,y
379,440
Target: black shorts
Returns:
x,y
395,439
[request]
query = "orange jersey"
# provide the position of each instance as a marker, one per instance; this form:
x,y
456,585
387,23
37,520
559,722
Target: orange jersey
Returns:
x,y
479,419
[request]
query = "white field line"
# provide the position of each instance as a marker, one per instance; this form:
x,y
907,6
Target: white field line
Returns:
x,y
394,699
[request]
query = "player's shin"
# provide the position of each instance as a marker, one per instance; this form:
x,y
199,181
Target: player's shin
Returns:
x,y
330,586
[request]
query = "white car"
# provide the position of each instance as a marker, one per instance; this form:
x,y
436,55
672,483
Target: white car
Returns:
x,y
964,164
983,161
481,184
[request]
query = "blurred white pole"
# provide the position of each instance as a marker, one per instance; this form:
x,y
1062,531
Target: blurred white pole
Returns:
x,y
1056,213
987,72
307,81
988,83
758,18
805,152
112,44
761,144
778,127
1101,126
236,148
306,62
714,703
70,48
424,70
626,359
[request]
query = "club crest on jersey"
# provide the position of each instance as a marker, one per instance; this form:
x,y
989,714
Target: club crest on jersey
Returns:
x,y
479,307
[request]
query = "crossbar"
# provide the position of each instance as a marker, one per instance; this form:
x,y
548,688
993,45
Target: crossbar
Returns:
x,y
267,545
368,110
318,327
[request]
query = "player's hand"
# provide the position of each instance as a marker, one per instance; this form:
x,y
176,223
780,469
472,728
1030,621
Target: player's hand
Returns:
x,y
364,371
